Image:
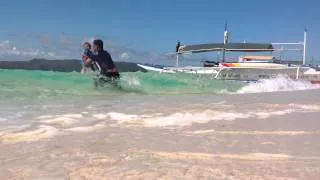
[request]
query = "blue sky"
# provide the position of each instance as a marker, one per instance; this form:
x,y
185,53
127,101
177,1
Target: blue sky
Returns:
x,y
145,29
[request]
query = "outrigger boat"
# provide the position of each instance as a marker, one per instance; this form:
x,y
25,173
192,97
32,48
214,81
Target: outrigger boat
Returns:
x,y
253,67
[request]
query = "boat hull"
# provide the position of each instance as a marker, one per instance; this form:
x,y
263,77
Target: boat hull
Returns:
x,y
253,72
188,70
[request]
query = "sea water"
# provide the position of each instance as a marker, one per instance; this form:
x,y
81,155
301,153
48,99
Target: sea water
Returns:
x,y
52,110
59,100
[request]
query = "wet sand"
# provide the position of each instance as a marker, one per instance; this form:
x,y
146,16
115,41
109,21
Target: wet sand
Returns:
x,y
281,146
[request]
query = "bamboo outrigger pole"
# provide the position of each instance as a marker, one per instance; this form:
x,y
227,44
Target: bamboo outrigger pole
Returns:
x,y
225,41
304,47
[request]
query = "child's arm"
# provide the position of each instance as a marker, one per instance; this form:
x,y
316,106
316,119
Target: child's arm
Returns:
x,y
87,60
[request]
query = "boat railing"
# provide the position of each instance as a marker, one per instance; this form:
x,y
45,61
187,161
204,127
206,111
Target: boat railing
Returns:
x,y
242,73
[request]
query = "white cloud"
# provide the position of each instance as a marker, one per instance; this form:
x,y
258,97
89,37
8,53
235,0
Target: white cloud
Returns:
x,y
64,46
6,45
46,40
8,49
124,56
66,40
88,39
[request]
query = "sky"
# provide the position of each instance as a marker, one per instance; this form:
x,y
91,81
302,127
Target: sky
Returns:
x,y
145,30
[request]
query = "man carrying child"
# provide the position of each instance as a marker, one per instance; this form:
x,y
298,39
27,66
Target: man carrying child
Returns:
x,y
100,60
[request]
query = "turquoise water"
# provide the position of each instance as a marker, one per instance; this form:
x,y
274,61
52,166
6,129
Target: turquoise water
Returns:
x,y
46,85
27,95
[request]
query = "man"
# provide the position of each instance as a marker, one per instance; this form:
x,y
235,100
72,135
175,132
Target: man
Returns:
x,y
178,46
107,68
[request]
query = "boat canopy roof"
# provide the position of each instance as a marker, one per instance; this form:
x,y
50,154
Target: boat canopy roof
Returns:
x,y
234,47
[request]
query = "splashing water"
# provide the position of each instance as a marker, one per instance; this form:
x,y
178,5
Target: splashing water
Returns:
x,y
280,83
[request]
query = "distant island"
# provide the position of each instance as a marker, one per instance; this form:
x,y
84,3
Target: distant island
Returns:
x,y
67,65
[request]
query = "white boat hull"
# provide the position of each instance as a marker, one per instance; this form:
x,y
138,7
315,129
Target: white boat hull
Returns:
x,y
254,71
187,70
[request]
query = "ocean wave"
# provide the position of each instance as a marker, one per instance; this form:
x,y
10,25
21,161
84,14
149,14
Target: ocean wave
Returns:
x,y
49,86
165,84
280,83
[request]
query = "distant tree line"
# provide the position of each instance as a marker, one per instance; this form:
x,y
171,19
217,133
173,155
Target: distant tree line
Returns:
x,y
63,65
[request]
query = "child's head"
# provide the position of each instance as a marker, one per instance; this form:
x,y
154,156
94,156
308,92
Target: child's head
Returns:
x,y
86,45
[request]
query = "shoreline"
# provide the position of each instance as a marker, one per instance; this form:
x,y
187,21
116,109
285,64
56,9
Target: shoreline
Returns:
x,y
283,145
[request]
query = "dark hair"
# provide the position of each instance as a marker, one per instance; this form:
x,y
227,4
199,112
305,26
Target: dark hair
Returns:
x,y
98,43
87,43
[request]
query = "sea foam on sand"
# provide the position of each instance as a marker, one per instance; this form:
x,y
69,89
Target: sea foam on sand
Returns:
x,y
42,132
188,118
62,120
86,128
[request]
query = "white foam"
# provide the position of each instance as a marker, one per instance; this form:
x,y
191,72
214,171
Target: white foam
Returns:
x,y
45,117
127,117
133,81
3,119
11,129
100,116
280,83
122,117
263,115
86,128
309,107
71,115
43,132
188,118
63,121
185,119
176,119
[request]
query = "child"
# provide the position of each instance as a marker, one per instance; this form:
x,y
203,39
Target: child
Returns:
x,y
87,53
